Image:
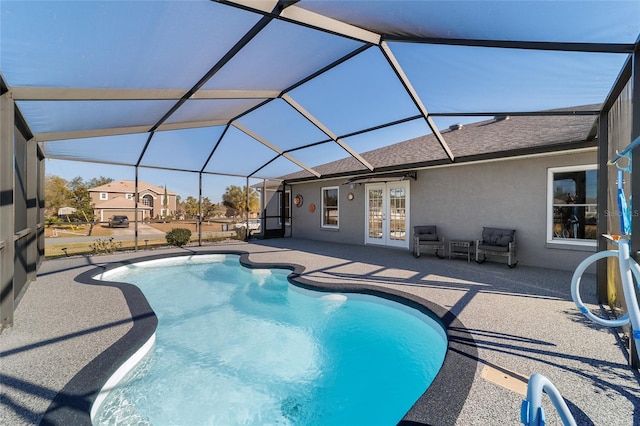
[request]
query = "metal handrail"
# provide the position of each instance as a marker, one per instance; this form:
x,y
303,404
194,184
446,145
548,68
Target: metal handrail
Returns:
x,y
21,234
531,411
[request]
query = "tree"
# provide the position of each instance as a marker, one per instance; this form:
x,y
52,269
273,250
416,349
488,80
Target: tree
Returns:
x,y
179,207
56,194
190,206
236,198
93,182
80,199
210,209
59,192
218,210
165,202
206,207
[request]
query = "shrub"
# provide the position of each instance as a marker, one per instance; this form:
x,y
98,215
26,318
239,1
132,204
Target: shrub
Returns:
x,y
106,246
178,237
50,220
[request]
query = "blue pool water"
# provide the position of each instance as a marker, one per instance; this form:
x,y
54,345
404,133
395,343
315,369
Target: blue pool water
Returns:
x,y
243,346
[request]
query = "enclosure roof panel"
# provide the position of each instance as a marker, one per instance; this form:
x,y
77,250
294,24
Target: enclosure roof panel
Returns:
x,y
312,87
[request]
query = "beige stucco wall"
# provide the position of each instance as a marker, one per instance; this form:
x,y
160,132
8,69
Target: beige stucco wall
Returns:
x,y
157,204
460,200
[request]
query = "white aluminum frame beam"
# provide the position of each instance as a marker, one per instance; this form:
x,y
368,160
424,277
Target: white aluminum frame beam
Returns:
x,y
305,17
95,94
116,131
306,114
308,18
386,50
274,148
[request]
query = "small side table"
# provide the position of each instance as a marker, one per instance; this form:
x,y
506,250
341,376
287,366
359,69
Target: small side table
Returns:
x,y
461,248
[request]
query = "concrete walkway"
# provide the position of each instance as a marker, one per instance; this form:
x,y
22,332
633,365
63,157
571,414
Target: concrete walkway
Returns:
x,y
522,321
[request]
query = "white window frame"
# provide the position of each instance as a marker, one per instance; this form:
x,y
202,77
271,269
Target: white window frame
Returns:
x,y
129,196
104,196
550,192
322,207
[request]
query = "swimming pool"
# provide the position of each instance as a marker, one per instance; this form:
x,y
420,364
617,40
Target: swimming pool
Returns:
x,y
238,345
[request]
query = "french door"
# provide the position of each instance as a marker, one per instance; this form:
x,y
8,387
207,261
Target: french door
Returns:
x,y
387,220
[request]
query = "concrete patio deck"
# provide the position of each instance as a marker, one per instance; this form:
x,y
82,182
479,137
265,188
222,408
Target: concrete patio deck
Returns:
x,y
522,321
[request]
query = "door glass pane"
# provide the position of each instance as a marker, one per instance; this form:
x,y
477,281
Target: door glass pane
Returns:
x,y
397,214
375,213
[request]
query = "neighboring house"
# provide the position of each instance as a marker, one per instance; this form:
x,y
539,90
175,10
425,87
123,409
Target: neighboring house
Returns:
x,y
64,212
509,172
118,198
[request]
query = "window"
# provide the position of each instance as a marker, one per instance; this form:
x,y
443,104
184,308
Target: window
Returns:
x,y
129,196
104,196
286,210
147,200
330,207
572,205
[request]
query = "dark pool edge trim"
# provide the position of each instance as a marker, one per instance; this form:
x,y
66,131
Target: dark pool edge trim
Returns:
x,y
72,404
440,404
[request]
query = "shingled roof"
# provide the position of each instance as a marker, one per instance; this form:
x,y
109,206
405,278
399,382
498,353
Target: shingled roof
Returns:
x,y
498,137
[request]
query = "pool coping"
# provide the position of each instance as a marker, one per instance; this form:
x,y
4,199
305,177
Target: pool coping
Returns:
x,y
440,404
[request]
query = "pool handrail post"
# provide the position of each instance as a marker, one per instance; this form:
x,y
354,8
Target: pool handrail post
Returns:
x,y
531,411
626,263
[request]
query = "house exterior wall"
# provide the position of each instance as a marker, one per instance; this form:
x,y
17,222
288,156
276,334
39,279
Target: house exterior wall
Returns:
x,y
461,200
101,212
307,224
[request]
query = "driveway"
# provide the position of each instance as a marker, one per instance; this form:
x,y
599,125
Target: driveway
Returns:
x,y
143,230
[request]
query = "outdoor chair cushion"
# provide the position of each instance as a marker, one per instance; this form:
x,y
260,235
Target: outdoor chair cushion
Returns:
x,y
497,237
426,233
493,248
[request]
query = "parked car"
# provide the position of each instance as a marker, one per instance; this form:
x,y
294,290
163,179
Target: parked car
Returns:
x,y
253,224
118,222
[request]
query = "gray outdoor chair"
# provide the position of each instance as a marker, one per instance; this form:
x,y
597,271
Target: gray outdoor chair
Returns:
x,y
427,238
497,242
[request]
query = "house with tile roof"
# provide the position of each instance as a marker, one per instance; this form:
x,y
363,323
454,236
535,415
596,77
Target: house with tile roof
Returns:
x,y
118,198
535,174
